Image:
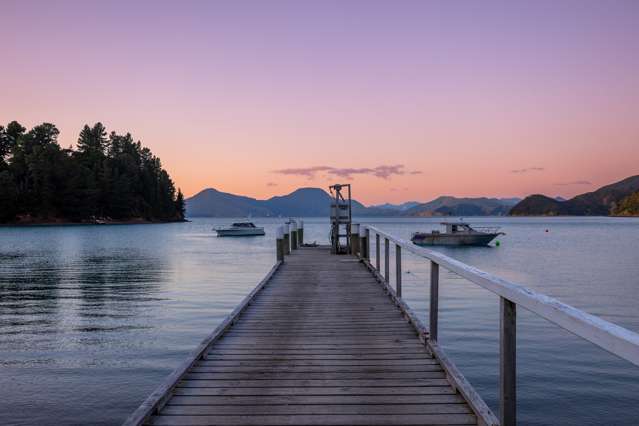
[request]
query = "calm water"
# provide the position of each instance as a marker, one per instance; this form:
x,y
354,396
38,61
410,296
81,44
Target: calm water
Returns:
x,y
92,318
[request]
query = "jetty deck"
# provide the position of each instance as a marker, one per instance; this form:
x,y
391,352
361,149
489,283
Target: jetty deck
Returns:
x,y
320,344
326,340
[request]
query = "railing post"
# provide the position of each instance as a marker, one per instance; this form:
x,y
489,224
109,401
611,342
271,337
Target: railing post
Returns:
x,y
507,363
279,244
377,251
300,233
367,246
434,300
294,235
287,244
386,260
398,270
363,242
355,239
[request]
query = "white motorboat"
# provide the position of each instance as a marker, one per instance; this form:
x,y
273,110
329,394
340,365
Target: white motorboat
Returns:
x,y
240,229
457,234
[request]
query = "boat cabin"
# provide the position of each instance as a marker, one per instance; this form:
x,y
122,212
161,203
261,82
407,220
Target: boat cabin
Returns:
x,y
243,225
456,227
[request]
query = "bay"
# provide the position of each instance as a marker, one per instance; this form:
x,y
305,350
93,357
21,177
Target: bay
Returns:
x,y
92,318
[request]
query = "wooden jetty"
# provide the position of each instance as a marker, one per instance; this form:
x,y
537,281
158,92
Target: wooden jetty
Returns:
x,y
326,340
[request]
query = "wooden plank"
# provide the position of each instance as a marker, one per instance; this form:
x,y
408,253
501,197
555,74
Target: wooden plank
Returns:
x,y
317,409
321,362
320,420
345,395
412,351
326,333
284,357
323,375
306,383
287,368
198,373
319,348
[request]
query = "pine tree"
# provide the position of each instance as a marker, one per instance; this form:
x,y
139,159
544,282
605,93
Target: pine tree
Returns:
x,y
180,206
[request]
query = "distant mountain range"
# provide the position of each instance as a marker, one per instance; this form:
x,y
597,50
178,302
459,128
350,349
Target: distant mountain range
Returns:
x,y
619,198
399,207
304,202
314,202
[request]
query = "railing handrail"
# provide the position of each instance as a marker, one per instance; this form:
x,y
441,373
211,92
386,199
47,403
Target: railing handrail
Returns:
x,y
611,337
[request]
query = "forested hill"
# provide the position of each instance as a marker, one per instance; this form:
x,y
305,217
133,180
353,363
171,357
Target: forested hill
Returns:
x,y
618,199
108,177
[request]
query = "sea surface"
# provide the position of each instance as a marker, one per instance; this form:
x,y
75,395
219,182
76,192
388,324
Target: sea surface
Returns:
x,y
93,318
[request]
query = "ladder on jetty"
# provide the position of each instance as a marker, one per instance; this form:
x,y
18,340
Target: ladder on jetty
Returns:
x,y
326,340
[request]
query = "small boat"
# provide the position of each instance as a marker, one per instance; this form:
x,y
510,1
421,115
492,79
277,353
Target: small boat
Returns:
x,y
457,234
240,229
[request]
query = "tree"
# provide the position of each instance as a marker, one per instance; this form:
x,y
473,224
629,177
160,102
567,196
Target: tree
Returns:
x,y
110,176
180,207
8,197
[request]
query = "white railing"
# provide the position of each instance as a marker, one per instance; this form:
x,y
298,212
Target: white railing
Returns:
x,y
611,337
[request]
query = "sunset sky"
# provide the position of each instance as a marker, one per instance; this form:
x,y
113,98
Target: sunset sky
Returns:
x,y
406,100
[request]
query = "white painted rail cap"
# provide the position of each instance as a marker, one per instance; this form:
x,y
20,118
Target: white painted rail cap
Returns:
x,y
279,232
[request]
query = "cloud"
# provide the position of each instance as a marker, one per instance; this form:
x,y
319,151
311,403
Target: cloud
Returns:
x,y
576,182
309,172
271,184
383,171
527,169
415,172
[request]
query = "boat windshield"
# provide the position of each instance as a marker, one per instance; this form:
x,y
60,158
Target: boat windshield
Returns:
x,y
243,225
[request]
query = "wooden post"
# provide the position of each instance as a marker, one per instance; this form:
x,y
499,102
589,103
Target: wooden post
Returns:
x,y
294,235
398,270
386,260
434,300
363,241
279,244
507,363
367,246
287,244
300,233
355,239
377,251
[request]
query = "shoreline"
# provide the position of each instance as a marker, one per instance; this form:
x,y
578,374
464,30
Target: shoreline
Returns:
x,y
36,223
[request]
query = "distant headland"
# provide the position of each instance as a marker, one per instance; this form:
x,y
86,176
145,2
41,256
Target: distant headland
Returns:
x,y
617,199
106,179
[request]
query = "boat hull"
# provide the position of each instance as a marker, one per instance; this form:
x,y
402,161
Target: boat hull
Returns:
x,y
252,232
453,240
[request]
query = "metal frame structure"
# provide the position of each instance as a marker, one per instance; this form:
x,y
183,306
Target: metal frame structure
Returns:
x,y
341,218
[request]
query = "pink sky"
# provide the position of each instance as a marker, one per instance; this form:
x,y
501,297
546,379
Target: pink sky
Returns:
x,y
419,98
